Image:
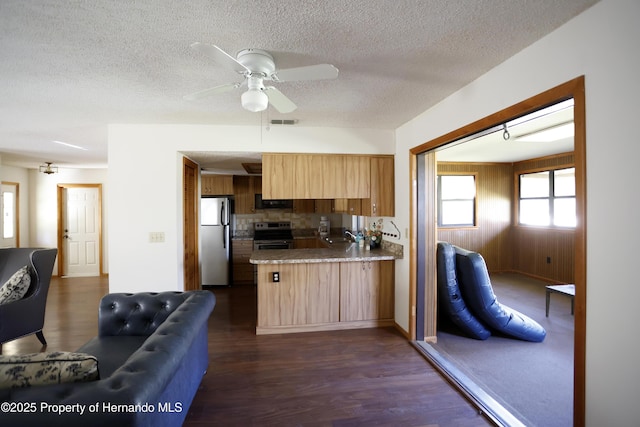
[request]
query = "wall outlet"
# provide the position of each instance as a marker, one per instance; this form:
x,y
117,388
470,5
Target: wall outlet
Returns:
x,y
275,276
548,260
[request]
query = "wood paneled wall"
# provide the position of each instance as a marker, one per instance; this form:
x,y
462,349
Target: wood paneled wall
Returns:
x,y
492,235
559,161
504,245
532,246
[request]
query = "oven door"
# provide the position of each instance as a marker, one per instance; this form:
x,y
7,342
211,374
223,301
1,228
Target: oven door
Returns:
x,y
259,245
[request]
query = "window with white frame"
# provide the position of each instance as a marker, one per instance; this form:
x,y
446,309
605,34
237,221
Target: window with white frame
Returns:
x,y
456,200
548,198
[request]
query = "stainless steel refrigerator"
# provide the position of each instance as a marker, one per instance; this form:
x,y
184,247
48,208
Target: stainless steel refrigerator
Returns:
x,y
215,241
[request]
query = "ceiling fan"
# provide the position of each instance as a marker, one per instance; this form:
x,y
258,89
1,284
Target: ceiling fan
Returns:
x,y
258,66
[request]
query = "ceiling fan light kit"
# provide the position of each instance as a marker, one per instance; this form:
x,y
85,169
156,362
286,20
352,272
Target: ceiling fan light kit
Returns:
x,y
256,66
254,100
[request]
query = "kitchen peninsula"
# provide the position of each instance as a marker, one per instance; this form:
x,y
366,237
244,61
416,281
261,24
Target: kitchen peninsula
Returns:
x,y
302,290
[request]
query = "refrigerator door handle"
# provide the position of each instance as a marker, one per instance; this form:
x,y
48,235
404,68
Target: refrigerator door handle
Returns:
x,y
224,214
224,236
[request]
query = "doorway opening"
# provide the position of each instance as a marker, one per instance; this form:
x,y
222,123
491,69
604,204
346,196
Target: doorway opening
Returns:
x,y
423,219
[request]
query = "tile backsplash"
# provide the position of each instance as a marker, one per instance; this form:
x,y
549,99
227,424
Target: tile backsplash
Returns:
x,y
242,225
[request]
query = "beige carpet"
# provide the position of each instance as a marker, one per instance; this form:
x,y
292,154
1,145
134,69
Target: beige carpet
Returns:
x,y
534,381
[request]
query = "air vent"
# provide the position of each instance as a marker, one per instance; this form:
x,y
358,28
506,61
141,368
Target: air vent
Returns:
x,y
284,122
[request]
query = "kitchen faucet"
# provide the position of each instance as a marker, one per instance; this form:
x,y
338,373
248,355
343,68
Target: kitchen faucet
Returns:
x,y
348,233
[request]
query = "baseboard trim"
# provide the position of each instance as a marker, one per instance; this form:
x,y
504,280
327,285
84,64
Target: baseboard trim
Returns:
x,y
401,330
337,326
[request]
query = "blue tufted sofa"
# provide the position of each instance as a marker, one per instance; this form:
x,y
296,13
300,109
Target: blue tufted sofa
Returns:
x,y
152,353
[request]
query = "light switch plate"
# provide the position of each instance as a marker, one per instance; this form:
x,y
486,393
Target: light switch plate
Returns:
x,y
156,237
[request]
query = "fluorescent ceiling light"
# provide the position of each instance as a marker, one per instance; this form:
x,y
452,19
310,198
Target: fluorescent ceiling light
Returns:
x,y
554,133
66,144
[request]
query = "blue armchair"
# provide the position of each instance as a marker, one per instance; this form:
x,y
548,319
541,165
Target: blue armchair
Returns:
x,y
26,316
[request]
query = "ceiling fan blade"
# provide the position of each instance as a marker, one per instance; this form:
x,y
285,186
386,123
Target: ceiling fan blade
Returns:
x,y
212,91
220,56
279,101
310,72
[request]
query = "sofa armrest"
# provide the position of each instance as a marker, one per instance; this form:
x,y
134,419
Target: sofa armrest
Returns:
x,y
137,314
167,368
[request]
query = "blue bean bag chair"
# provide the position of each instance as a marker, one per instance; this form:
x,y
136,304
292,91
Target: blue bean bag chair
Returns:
x,y
450,299
477,293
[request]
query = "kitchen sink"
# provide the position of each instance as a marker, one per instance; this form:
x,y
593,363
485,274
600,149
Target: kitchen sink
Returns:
x,y
338,239
339,243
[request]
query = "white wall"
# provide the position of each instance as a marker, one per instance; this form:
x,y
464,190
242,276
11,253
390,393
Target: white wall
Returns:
x,y
39,204
43,206
601,44
145,178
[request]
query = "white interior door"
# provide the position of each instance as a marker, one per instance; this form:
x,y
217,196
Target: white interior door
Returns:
x,y
9,209
81,231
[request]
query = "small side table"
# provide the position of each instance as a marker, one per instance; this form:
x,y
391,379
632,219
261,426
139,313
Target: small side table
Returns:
x,y
569,290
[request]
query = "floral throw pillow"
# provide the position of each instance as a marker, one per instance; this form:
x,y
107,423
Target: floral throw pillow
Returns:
x,y
16,287
36,369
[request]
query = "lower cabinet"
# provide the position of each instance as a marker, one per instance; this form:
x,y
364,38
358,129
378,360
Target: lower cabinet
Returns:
x,y
366,290
304,294
325,296
242,269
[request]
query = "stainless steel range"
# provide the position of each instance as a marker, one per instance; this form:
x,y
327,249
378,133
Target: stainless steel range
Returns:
x,y
272,235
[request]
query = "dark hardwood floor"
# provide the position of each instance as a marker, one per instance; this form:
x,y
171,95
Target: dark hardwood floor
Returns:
x,y
366,377
71,317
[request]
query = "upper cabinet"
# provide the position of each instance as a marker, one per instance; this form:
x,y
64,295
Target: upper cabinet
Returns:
x,y
315,176
381,201
304,206
245,188
348,206
216,185
361,184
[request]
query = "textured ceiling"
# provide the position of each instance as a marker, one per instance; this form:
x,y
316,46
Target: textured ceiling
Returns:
x,y
69,68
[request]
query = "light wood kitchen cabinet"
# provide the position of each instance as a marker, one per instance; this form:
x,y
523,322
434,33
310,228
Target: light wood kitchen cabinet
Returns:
x,y
357,177
243,271
256,185
306,294
216,185
348,206
324,206
304,206
381,201
315,176
366,290
245,188
325,296
278,172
